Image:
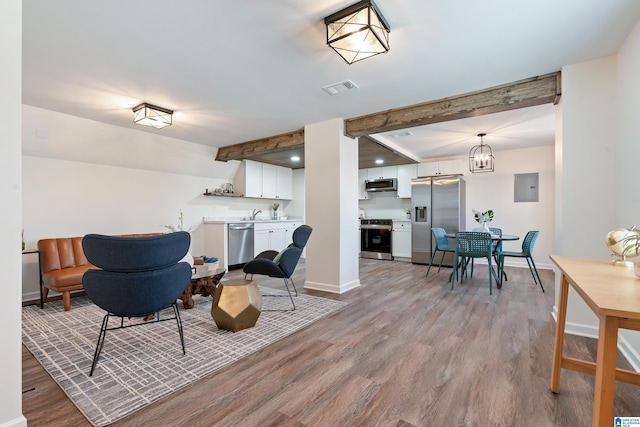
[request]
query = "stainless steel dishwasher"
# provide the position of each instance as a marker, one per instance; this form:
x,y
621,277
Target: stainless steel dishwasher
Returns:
x,y
240,243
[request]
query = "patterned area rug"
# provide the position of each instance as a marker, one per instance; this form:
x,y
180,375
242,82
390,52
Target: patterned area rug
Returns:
x,y
141,365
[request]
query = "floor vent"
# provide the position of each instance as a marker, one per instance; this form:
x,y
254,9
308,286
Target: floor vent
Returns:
x,y
340,87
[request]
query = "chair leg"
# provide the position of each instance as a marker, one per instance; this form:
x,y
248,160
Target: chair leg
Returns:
x,y
103,332
176,312
533,264
454,273
286,285
431,262
66,300
490,275
441,259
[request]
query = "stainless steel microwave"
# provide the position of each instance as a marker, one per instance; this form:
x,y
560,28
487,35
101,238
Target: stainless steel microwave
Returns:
x,y
382,184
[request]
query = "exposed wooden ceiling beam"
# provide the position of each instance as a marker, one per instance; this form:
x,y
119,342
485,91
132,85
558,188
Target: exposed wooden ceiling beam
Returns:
x,y
524,93
268,145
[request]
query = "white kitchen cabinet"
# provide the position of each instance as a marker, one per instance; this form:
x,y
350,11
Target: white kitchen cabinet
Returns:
x,y
405,174
269,236
382,172
401,239
262,180
289,228
362,177
284,183
445,167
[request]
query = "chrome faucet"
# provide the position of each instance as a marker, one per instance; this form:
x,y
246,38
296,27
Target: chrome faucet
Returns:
x,y
254,213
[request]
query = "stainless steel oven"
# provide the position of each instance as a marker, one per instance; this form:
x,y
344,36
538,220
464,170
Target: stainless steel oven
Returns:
x,y
375,238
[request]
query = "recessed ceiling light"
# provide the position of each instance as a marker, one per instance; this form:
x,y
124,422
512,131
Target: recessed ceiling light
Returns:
x,y
295,158
401,134
379,161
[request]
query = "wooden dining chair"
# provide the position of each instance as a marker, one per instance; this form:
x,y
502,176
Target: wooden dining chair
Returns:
x,y
471,245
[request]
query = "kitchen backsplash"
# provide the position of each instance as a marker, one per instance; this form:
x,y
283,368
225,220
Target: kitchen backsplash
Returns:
x,y
385,205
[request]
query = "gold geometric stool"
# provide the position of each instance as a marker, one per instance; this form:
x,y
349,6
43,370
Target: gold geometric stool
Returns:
x,y
236,305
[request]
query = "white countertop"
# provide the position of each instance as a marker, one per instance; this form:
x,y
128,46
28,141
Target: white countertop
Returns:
x,y
213,220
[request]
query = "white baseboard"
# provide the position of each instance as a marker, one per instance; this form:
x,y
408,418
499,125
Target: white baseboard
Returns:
x,y
21,421
329,287
591,331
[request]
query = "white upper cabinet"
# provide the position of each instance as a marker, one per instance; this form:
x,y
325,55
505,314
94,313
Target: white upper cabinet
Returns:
x,y
445,167
382,172
262,180
363,175
405,174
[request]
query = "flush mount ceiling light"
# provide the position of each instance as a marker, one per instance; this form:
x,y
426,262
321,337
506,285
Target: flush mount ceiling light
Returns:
x,y
358,31
481,157
150,115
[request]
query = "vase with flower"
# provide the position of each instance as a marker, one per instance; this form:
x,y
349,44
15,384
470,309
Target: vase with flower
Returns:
x,y
483,218
275,210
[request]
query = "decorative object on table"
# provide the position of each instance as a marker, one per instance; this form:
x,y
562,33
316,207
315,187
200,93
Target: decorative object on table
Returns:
x,y
275,210
72,338
483,218
623,243
180,227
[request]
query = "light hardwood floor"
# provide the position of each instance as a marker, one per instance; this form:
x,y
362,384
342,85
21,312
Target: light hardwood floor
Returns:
x,y
406,351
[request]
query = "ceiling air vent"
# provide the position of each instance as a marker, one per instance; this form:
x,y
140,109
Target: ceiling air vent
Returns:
x,y
340,87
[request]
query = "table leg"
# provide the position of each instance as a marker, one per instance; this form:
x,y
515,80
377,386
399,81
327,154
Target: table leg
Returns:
x,y
559,340
187,300
605,371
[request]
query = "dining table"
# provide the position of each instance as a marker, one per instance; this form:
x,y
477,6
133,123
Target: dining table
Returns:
x,y
496,239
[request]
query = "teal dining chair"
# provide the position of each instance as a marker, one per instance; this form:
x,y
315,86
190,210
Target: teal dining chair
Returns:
x,y
471,245
442,245
526,253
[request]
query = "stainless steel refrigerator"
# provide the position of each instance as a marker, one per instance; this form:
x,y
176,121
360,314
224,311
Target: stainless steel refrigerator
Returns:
x,y
436,201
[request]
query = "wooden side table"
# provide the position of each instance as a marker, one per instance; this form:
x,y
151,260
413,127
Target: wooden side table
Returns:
x,y
203,282
236,305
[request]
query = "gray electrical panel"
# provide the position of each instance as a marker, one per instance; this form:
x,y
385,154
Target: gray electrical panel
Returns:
x,y
525,187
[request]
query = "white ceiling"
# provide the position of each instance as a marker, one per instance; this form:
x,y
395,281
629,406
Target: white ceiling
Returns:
x,y
235,71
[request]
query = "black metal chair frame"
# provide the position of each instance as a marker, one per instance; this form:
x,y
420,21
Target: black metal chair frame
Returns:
x,y
137,277
281,264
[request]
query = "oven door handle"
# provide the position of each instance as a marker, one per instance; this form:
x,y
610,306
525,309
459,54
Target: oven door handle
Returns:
x,y
375,227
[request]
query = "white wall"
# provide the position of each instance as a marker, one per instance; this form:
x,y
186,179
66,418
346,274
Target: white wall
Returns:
x,y
10,194
599,151
120,193
495,191
628,147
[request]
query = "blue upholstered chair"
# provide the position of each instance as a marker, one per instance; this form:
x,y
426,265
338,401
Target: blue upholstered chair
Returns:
x,y
137,277
442,245
281,264
526,253
470,245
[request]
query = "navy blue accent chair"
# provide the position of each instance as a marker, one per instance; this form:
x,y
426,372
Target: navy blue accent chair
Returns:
x,y
136,277
442,245
281,264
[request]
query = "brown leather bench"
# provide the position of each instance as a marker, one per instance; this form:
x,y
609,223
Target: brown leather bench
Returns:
x,y
64,263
